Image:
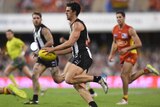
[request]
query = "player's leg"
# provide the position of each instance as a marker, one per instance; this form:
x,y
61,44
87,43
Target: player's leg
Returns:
x,y
81,88
148,69
76,75
11,77
27,71
9,69
38,69
7,72
4,90
91,90
15,91
125,76
57,75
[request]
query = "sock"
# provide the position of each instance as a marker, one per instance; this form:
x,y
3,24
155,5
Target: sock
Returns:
x,y
92,104
11,77
35,97
125,97
96,78
91,91
6,91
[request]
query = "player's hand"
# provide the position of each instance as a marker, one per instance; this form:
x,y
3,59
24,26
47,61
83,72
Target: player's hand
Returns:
x,y
49,49
62,40
110,58
123,51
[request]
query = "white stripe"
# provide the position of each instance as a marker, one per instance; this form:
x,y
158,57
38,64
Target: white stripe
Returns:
x,y
89,52
37,35
76,48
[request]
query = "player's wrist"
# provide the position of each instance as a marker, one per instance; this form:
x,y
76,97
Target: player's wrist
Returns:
x,y
23,53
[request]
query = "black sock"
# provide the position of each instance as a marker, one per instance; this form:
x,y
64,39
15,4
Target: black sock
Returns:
x,y
91,91
93,104
35,97
96,78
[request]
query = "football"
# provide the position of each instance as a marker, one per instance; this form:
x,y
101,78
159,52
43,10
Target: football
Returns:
x,y
34,46
43,54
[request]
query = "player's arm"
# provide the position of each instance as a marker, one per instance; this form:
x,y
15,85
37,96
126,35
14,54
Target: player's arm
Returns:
x,y
48,36
24,49
113,50
63,52
62,40
77,28
23,45
136,39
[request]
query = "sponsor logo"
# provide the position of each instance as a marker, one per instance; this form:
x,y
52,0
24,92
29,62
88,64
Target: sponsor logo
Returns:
x,y
124,35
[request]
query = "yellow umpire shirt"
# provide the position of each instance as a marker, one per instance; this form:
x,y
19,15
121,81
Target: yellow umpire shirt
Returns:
x,y
14,47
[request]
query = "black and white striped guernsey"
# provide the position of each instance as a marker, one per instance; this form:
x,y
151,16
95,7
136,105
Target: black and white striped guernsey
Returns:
x,y
80,44
39,37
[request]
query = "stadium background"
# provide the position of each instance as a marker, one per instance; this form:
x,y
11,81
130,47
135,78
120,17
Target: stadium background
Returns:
x,y
99,16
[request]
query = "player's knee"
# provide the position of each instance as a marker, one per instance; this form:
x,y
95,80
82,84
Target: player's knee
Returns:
x,y
130,81
58,81
123,75
6,73
35,77
69,81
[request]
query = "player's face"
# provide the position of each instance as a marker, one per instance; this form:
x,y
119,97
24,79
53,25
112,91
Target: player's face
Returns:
x,y
9,35
120,19
69,13
36,20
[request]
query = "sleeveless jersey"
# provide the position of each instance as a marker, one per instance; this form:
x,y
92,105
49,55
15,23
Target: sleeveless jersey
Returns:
x,y
80,44
14,47
38,36
81,55
122,37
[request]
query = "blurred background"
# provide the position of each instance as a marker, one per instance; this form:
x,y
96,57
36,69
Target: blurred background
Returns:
x,y
99,16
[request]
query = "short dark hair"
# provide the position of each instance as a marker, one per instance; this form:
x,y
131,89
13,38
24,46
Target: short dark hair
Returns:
x,y
121,12
74,7
9,30
37,13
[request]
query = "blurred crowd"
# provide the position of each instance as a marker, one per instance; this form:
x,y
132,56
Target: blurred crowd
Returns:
x,y
47,6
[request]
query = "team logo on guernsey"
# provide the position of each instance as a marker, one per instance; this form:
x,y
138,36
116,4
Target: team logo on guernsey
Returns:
x,y
124,35
115,35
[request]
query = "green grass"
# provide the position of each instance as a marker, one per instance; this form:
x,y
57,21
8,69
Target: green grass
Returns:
x,y
70,98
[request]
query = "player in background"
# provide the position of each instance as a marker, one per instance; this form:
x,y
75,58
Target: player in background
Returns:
x,y
125,43
81,59
16,49
43,38
13,90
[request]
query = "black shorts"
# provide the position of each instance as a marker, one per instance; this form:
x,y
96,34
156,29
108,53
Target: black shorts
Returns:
x,y
82,60
53,63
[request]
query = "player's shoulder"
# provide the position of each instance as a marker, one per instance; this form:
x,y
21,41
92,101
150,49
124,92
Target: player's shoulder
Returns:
x,y
115,26
128,26
16,39
78,26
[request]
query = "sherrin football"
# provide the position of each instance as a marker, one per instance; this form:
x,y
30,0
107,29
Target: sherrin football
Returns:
x,y
43,54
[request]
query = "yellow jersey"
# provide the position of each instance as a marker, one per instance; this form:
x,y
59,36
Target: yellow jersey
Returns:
x,y
14,47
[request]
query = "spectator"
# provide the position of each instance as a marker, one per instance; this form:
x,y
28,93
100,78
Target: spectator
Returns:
x,y
155,5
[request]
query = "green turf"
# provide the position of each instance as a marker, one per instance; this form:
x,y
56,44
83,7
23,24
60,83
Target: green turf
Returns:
x,y
70,98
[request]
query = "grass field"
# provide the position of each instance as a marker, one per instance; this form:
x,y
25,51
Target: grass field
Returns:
x,y
70,98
